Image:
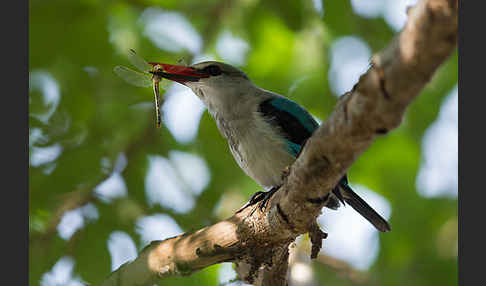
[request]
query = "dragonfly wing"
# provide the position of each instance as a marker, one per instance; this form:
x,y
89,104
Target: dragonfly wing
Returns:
x,y
138,61
182,61
164,84
133,77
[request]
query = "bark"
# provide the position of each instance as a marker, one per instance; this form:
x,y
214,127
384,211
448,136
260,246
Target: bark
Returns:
x,y
258,241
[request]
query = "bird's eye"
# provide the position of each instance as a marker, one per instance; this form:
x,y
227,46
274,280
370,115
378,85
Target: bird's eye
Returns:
x,y
213,70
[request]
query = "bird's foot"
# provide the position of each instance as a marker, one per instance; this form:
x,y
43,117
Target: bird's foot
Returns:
x,y
256,197
265,197
261,197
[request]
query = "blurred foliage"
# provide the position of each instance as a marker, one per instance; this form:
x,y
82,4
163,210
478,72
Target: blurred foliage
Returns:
x,y
79,42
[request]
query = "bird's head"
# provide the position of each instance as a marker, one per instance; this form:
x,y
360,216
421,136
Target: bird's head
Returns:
x,y
217,84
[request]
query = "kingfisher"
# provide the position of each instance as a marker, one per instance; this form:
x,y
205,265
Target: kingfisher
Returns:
x,y
265,131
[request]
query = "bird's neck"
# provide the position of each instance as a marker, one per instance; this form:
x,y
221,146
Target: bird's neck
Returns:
x,y
238,114
234,104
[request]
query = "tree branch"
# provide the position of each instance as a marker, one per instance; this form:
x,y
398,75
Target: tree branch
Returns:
x,y
258,241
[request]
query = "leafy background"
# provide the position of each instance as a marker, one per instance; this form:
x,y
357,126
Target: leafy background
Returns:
x,y
103,181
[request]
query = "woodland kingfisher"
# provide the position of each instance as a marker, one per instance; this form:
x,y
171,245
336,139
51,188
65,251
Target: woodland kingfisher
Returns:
x,y
265,131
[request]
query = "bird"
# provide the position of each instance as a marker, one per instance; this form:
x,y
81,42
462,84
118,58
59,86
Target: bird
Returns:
x,y
265,131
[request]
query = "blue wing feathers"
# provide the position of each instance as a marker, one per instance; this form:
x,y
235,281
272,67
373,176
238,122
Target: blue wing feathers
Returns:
x,y
293,148
296,110
295,123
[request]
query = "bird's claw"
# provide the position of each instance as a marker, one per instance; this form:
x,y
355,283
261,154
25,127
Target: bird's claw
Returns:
x,y
255,198
266,197
260,196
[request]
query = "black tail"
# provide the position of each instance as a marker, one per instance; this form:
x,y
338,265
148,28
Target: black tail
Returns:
x,y
359,205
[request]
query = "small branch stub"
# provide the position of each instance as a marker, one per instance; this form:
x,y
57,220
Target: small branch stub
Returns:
x,y
316,236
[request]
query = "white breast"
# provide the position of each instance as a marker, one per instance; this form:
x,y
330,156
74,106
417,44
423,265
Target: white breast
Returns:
x,y
258,149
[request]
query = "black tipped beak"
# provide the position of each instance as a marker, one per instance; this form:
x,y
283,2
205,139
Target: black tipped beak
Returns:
x,y
180,74
175,77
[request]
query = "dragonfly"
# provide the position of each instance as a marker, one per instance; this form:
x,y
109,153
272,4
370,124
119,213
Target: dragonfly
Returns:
x,y
143,78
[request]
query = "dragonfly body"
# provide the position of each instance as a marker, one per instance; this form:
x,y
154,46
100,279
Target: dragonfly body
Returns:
x,y
158,104
143,78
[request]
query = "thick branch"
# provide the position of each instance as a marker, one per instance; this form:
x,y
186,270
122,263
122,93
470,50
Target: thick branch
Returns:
x,y
374,107
258,242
